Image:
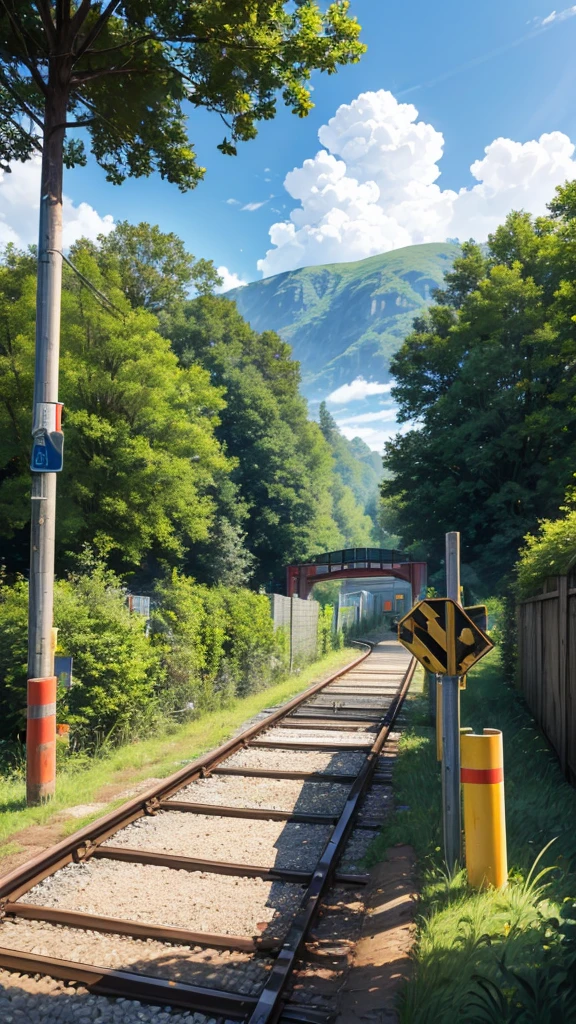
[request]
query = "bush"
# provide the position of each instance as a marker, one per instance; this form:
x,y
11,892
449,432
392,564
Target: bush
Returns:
x,y
206,646
116,669
547,554
216,643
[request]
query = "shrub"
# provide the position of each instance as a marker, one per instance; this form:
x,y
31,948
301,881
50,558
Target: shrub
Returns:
x,y
215,643
116,669
549,553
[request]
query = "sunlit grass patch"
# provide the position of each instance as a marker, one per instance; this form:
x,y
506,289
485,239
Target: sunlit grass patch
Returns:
x,y
493,956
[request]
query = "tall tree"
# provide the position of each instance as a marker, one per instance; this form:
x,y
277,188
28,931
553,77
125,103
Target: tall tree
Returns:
x,y
143,459
122,71
283,477
490,374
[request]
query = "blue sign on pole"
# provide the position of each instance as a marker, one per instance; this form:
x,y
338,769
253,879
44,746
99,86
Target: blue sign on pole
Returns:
x,y
63,670
47,452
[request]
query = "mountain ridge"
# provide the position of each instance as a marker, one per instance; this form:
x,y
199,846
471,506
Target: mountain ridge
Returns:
x,y
346,320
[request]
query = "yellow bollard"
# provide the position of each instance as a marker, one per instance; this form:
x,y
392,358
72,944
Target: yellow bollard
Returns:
x,y
482,776
438,718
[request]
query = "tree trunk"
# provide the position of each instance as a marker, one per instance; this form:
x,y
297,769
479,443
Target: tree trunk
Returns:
x,y
41,732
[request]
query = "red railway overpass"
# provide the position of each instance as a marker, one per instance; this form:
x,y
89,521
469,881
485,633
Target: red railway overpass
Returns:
x,y
356,563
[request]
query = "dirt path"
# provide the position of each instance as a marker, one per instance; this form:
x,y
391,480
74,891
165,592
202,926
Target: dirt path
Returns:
x,y
380,961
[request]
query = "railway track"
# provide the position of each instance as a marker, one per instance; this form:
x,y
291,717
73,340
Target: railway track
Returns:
x,y
201,893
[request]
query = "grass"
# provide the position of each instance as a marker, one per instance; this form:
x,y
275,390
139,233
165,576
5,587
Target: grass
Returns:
x,y
81,781
495,956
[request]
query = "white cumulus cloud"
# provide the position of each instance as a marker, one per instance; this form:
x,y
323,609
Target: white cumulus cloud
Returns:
x,y
20,204
373,187
357,390
229,280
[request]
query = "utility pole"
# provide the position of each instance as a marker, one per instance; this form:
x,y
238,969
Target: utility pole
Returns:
x,y
46,462
451,724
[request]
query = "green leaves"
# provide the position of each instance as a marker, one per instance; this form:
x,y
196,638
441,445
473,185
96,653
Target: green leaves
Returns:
x,y
126,74
141,454
488,374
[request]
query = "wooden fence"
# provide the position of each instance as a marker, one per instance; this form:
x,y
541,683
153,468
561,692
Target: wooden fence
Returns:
x,y
547,664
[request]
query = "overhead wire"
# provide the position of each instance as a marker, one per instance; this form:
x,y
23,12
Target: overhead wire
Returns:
x,y
89,284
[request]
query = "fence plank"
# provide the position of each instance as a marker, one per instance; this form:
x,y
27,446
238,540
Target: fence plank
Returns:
x,y
547,666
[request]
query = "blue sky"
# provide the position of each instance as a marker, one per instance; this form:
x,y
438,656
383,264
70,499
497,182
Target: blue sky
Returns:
x,y
475,74
519,93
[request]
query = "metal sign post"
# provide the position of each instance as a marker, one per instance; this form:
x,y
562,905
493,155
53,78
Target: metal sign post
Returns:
x,y
451,805
446,640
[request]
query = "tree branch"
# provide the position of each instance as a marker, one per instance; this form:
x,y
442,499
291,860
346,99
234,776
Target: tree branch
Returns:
x,y
79,17
23,105
62,14
37,145
43,7
83,123
120,46
80,77
97,114
36,76
97,27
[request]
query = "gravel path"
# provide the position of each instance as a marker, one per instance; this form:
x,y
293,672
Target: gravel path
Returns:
x,y
277,794
194,900
321,761
269,843
39,1000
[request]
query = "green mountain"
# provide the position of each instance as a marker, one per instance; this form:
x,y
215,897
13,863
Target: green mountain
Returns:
x,y
345,320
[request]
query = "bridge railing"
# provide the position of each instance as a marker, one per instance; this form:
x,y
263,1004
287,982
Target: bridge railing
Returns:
x,y
360,557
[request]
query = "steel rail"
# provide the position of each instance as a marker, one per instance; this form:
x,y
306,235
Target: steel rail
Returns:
x,y
269,1007
88,842
25,877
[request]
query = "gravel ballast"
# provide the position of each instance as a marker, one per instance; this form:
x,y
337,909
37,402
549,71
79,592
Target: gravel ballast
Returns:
x,y
277,794
195,900
194,965
355,851
326,736
39,1000
281,844
324,762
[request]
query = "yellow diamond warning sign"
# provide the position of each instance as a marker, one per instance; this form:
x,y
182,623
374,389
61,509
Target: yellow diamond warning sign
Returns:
x,y
443,638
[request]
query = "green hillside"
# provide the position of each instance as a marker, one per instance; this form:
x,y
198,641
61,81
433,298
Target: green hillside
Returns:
x,y
344,320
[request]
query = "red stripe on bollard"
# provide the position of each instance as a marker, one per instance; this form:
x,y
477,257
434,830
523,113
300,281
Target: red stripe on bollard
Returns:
x,y
41,740
482,776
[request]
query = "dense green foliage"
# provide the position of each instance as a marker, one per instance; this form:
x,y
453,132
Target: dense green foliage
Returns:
x,y
488,374
282,490
205,646
215,643
187,440
358,476
124,72
346,319
551,552
141,455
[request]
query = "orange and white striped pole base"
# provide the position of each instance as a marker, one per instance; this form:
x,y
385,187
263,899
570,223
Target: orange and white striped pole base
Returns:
x,y
41,740
482,777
